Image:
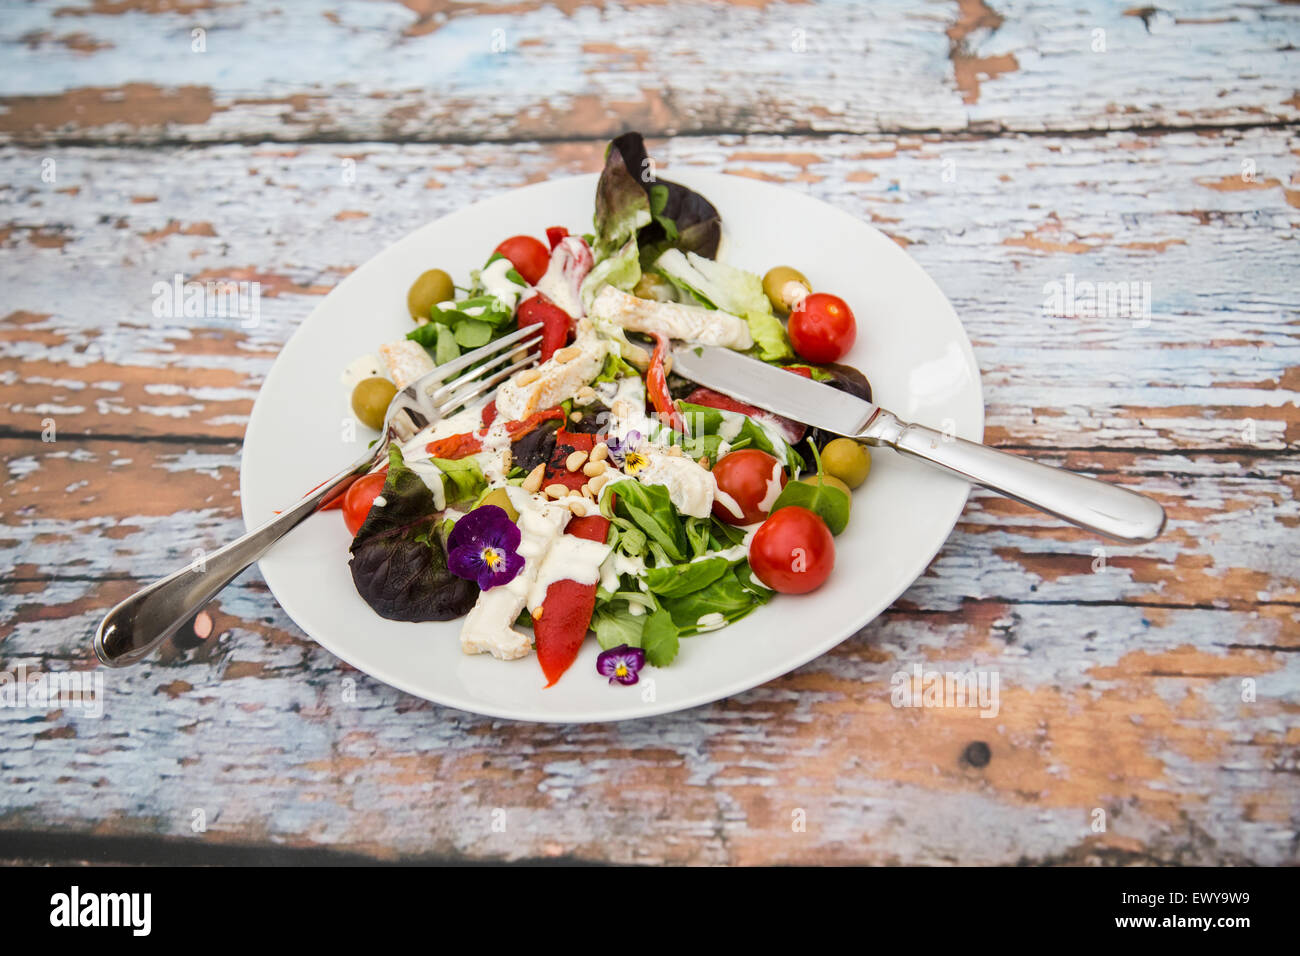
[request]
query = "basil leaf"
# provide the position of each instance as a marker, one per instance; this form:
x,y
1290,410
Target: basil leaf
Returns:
x,y
824,500
678,579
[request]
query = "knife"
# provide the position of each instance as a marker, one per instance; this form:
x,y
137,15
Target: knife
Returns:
x,y
1086,502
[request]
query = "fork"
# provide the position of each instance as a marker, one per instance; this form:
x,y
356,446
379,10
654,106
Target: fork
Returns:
x,y
137,626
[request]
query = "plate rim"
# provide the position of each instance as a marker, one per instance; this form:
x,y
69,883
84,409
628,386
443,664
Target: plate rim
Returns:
x,y
690,177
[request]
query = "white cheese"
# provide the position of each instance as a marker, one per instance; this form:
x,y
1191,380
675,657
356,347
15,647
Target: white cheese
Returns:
x,y
488,628
691,487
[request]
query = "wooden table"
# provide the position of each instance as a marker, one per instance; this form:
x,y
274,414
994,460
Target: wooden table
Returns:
x,y
1004,148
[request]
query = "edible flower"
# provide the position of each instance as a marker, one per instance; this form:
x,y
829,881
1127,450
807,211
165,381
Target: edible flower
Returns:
x,y
483,547
623,452
621,664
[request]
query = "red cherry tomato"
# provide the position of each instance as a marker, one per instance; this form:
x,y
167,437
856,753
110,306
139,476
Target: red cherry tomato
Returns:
x,y
822,328
529,257
792,551
360,496
751,479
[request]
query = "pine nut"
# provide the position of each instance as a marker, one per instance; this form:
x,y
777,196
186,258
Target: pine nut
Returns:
x,y
586,395
556,490
593,468
704,462
620,409
598,482
567,354
575,460
533,483
575,417
578,506
600,452
537,614
675,451
528,377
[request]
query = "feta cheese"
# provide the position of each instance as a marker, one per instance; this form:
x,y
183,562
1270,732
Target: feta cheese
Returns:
x,y
691,487
488,628
406,361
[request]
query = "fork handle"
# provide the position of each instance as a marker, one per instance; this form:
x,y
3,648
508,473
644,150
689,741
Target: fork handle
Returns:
x,y
136,627
1087,502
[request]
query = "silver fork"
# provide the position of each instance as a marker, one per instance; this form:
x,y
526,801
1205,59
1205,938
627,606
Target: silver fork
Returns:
x,y
134,629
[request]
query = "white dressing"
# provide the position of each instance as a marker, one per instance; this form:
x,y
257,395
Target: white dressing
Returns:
x,y
497,284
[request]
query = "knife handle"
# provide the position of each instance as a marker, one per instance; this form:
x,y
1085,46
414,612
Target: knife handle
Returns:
x,y
1104,508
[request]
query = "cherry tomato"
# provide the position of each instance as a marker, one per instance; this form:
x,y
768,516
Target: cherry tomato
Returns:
x,y
360,496
529,257
822,328
751,479
792,551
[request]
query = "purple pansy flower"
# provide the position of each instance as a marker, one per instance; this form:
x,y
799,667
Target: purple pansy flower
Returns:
x,y
620,449
621,664
483,547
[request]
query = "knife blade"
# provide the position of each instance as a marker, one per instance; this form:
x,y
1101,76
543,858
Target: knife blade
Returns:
x,y
774,389
1087,502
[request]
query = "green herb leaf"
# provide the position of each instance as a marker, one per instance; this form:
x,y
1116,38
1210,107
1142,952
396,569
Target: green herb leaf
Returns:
x,y
678,579
659,639
824,500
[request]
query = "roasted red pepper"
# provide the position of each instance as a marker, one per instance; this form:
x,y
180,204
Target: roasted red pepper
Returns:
x,y
465,444
566,443
561,624
554,234
554,320
656,381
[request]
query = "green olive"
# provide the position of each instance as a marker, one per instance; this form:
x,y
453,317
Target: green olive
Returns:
x,y
498,497
427,291
785,287
370,401
847,460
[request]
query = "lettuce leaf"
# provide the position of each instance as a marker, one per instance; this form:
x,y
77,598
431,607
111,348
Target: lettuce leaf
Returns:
x,y
681,217
706,425
733,290
399,565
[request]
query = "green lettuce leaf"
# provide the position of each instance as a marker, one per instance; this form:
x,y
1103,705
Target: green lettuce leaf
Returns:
x,y
720,286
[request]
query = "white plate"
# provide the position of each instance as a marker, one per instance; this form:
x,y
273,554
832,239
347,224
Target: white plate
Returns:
x,y
910,345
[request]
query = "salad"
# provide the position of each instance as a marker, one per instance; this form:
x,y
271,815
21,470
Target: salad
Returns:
x,y
597,492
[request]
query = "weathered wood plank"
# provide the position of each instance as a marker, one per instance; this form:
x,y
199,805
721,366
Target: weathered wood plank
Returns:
x,y
1157,683
1130,710
590,68
137,510
995,221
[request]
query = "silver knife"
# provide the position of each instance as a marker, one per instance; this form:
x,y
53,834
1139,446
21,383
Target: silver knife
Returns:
x,y
1086,502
